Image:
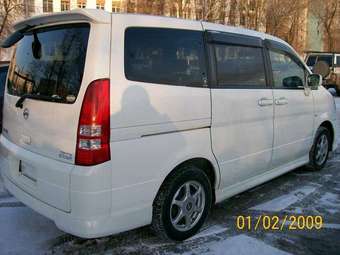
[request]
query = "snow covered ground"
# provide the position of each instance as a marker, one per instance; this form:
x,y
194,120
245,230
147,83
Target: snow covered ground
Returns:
x,y
22,231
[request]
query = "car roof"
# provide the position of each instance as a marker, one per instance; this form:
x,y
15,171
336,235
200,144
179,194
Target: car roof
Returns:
x,y
101,16
91,15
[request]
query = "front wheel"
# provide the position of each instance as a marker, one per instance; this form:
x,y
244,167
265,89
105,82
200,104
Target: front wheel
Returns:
x,y
182,204
318,154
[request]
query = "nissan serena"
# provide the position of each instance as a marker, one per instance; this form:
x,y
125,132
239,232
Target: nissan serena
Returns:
x,y
116,121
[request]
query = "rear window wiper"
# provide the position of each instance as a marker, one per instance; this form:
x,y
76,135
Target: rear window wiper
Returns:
x,y
21,100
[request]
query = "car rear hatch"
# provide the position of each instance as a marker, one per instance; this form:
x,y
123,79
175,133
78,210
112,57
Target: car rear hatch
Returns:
x,y
47,79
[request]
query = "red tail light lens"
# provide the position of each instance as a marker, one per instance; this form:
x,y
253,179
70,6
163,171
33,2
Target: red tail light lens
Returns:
x,y
93,141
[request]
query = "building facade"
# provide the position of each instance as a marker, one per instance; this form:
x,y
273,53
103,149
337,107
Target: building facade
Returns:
x,y
36,7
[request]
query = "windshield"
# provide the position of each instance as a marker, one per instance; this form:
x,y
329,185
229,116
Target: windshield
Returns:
x,y
50,62
326,58
311,60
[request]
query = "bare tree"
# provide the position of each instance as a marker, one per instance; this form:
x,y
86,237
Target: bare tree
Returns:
x,y
232,13
284,18
159,7
9,10
214,10
326,13
130,6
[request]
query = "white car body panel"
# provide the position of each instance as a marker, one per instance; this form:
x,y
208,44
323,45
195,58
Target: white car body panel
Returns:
x,y
154,128
297,114
231,129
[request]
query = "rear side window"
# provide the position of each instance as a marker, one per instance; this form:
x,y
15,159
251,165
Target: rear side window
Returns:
x,y
49,62
338,61
165,56
239,66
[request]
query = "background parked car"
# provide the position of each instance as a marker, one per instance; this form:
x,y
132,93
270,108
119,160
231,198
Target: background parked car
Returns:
x,y
3,75
326,64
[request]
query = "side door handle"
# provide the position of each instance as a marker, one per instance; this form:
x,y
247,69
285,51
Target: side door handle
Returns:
x,y
265,101
281,101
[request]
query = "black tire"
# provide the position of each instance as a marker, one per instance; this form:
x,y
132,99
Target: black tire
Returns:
x,y
161,219
314,164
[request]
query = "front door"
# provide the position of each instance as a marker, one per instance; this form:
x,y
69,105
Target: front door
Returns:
x,y
293,108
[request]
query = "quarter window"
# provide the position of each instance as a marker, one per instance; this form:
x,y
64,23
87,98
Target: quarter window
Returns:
x,y
165,56
287,73
239,66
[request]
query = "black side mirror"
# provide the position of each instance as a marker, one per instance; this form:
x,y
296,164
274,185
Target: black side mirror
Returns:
x,y
314,81
292,82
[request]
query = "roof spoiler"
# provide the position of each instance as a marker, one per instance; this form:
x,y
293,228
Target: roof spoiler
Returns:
x,y
95,16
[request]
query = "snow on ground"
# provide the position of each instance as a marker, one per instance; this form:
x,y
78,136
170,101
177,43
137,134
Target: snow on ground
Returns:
x,y
284,201
3,191
240,245
25,232
213,230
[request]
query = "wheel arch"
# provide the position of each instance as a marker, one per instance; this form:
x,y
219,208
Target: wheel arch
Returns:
x,y
202,163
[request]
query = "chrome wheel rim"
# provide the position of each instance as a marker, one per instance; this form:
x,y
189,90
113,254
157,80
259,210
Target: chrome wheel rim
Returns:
x,y
187,206
321,149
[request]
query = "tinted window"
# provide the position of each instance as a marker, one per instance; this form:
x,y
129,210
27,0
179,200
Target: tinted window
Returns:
x,y
167,56
311,60
50,65
3,74
239,66
286,72
326,58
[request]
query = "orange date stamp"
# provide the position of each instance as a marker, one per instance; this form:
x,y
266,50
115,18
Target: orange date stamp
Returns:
x,y
279,223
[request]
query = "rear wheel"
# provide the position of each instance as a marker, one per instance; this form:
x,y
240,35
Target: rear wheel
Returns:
x,y
318,154
182,204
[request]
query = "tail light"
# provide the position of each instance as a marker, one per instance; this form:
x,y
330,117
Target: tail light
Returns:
x,y
93,138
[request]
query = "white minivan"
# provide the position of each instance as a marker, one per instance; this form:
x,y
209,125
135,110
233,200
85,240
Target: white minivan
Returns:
x,y
116,121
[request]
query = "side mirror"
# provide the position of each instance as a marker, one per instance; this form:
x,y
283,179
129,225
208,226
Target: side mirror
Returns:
x,y
292,82
314,80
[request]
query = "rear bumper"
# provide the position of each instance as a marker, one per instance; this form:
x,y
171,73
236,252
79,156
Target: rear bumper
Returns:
x,y
88,191
86,228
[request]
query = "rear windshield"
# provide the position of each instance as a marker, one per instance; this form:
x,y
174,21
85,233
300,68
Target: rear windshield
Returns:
x,y
50,62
